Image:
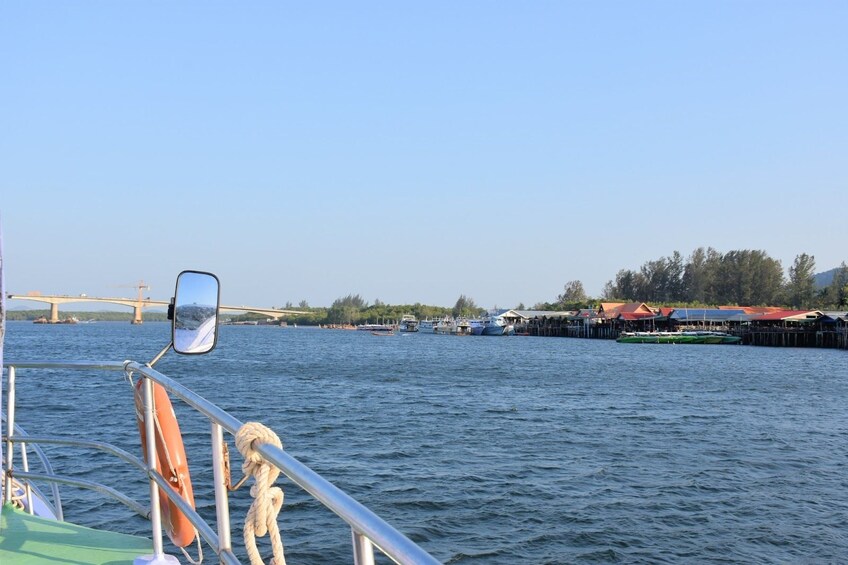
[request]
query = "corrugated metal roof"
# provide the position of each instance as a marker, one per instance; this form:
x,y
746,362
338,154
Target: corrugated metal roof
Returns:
x,y
528,314
584,313
705,314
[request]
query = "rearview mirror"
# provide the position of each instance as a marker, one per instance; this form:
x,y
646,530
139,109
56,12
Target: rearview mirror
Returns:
x,y
196,300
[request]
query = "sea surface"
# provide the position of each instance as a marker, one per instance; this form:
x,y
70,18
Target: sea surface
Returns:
x,y
487,449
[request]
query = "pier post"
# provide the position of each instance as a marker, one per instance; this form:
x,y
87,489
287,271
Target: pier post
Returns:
x,y
137,314
54,312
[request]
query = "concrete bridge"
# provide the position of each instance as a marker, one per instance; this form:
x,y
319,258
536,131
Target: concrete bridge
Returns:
x,y
135,304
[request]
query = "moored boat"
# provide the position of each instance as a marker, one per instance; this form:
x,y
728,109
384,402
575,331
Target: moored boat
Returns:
x,y
374,328
462,327
682,337
477,326
427,326
445,326
495,324
408,324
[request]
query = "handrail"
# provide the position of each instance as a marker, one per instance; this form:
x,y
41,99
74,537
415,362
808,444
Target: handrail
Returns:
x,y
91,485
362,521
56,506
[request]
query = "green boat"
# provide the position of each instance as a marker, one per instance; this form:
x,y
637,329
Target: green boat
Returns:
x,y
694,337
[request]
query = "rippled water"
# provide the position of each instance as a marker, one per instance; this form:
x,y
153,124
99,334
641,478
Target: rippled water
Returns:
x,y
493,450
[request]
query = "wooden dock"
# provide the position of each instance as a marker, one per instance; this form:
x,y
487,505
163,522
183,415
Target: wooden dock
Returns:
x,y
766,336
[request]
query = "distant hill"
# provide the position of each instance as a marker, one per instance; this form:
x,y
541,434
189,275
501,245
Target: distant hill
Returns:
x,y
824,279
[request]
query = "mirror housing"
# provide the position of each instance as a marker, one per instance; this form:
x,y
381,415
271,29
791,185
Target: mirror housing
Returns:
x,y
194,329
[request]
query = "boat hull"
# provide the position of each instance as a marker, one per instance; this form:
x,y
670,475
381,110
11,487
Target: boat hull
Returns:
x,y
708,338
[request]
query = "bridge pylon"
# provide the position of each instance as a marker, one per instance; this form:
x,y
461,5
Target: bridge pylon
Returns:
x,y
140,286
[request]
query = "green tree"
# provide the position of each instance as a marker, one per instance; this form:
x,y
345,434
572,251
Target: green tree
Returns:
x,y
573,296
836,293
627,286
465,306
699,274
748,278
346,310
801,287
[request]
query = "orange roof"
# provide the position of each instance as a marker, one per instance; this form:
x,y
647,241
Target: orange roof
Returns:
x,y
636,307
615,309
609,309
635,315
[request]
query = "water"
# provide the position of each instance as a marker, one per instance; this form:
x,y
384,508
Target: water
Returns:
x,y
491,450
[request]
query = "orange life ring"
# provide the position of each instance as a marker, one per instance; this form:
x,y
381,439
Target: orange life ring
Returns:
x,y
170,455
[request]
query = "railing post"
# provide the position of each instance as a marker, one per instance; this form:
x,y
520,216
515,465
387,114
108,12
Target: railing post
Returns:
x,y
150,436
10,427
222,507
363,549
27,487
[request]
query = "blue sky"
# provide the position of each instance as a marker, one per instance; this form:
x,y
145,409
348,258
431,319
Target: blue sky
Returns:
x,y
413,153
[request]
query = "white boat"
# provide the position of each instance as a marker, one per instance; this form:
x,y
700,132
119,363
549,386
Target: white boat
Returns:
x,y
495,324
408,324
427,326
445,326
375,328
32,526
462,326
436,326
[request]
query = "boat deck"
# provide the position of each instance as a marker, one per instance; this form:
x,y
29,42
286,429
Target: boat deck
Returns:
x,y
26,540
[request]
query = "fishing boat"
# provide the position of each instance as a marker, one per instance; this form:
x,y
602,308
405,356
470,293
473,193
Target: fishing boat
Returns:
x,y
682,337
32,525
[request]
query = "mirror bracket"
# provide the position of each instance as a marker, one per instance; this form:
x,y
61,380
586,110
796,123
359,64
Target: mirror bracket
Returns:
x,y
160,355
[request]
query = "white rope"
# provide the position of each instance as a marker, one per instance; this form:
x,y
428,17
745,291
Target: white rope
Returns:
x,y
261,518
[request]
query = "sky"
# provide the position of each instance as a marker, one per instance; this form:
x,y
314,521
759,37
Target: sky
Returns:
x,y
413,152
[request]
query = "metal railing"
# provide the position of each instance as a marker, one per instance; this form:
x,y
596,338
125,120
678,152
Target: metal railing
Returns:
x,y
368,530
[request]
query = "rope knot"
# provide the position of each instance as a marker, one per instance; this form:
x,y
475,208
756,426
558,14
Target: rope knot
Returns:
x,y
267,500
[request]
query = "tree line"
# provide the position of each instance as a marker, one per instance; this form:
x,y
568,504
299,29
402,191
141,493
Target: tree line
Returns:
x,y
353,309
740,277
705,278
100,315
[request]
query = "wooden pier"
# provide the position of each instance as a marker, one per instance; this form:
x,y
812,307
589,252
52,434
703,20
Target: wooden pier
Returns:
x,y
768,335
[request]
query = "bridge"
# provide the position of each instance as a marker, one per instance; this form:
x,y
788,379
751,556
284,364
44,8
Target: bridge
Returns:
x,y
136,304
